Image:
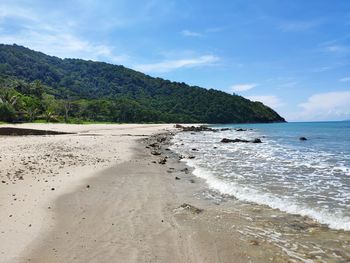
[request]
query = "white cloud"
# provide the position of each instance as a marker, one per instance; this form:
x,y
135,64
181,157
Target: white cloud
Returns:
x,y
188,33
269,100
290,84
337,49
322,69
243,87
41,31
14,11
297,26
346,79
64,45
169,65
327,106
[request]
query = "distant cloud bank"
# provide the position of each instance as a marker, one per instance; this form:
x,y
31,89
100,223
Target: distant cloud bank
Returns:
x,y
189,33
169,65
269,100
329,105
243,87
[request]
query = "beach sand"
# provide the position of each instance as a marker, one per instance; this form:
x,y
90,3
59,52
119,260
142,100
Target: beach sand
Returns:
x,y
99,195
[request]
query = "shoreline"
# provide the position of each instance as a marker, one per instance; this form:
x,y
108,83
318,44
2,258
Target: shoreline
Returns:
x,y
142,209
299,237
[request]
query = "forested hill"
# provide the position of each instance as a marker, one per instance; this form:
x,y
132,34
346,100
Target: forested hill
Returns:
x,y
37,86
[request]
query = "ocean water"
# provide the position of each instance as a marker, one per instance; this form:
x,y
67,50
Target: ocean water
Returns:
x,y
309,178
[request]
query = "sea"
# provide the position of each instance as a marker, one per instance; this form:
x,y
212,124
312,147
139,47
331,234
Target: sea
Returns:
x,y
309,177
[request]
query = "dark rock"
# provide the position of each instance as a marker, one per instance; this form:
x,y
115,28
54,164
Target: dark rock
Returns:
x,y
155,153
52,189
161,139
177,178
225,129
198,128
194,149
154,145
240,129
162,161
88,186
178,126
257,140
225,140
192,181
302,139
191,157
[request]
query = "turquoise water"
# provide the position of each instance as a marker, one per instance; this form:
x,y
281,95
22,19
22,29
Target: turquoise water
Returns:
x,y
310,178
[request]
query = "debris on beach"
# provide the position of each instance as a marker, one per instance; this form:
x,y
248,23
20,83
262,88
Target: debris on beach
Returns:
x,y
191,208
185,170
155,153
254,242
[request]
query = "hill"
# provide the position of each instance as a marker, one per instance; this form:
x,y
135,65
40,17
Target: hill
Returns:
x,y
34,85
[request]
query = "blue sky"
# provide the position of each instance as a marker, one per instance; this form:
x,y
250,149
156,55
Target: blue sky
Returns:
x,y
292,55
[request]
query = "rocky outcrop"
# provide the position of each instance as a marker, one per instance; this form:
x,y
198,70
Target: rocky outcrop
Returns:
x,y
195,128
225,140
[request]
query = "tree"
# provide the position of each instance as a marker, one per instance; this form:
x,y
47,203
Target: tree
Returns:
x,y
7,112
66,106
50,107
8,100
31,107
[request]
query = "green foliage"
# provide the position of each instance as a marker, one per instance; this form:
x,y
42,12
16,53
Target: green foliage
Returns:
x,y
7,112
75,90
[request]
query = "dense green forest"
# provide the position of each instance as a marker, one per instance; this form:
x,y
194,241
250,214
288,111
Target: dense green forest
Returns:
x,y
35,86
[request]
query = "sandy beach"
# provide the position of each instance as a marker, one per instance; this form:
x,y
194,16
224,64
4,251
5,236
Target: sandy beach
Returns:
x,y
105,193
36,170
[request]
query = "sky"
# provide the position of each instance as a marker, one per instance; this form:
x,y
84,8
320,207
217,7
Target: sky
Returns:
x,y
294,56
